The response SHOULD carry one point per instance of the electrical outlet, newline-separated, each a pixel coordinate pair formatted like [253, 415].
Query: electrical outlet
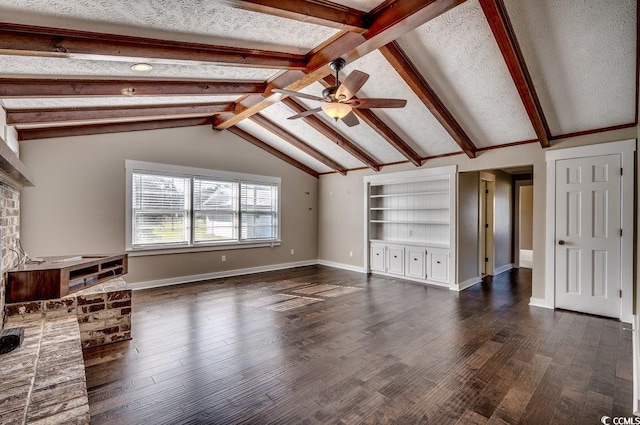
[293, 251]
[350, 253]
[224, 258]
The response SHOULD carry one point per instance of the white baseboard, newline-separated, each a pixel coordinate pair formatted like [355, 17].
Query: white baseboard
[342, 266]
[217, 275]
[539, 302]
[467, 283]
[503, 269]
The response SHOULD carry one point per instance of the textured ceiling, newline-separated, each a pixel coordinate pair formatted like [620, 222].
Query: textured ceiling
[30, 66]
[414, 122]
[458, 56]
[185, 20]
[581, 57]
[283, 146]
[278, 113]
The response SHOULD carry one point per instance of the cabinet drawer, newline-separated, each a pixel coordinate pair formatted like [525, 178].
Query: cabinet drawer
[415, 262]
[395, 260]
[438, 267]
[377, 257]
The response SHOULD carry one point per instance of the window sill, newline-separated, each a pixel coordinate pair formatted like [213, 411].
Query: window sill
[144, 252]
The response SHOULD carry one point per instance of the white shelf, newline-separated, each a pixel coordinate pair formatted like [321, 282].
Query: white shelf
[409, 222]
[410, 215]
[408, 209]
[391, 195]
[412, 243]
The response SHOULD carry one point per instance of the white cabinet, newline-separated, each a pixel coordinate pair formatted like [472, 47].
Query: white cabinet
[415, 262]
[395, 259]
[438, 265]
[410, 224]
[377, 257]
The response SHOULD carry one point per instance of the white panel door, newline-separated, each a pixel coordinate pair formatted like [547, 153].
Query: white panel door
[588, 222]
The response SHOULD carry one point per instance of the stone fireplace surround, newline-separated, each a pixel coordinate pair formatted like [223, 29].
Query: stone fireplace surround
[43, 380]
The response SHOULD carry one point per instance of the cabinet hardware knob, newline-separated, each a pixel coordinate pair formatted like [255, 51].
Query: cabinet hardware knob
[395, 256]
[561, 242]
[438, 262]
[415, 259]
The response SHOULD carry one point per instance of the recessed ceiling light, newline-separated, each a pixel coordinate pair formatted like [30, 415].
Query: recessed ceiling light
[141, 67]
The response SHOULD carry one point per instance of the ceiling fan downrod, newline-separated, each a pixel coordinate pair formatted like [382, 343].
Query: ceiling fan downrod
[336, 65]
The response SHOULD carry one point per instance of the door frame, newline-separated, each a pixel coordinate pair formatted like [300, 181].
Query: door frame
[487, 182]
[626, 149]
[518, 184]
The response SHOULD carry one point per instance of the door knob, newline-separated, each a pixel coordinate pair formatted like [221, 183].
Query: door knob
[561, 242]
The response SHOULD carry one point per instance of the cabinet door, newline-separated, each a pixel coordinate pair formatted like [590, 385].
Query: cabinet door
[395, 259]
[415, 262]
[377, 257]
[439, 266]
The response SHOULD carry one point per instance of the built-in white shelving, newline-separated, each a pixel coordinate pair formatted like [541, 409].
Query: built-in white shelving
[410, 224]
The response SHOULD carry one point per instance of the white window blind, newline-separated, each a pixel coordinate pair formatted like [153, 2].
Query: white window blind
[215, 210]
[175, 207]
[259, 211]
[160, 209]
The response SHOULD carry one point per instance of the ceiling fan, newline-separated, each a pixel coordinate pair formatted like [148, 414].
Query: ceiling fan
[339, 101]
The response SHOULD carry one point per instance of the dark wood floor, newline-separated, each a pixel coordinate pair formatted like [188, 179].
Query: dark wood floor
[384, 351]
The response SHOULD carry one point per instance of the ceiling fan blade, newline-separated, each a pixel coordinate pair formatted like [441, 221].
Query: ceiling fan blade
[378, 103]
[296, 94]
[351, 85]
[350, 119]
[305, 113]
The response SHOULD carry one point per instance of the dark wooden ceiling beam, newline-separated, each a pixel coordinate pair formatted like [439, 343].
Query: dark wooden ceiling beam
[387, 24]
[407, 70]
[104, 128]
[28, 40]
[496, 14]
[320, 12]
[332, 133]
[298, 143]
[31, 87]
[381, 128]
[273, 151]
[42, 115]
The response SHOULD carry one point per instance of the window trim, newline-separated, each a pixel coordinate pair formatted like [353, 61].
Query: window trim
[132, 166]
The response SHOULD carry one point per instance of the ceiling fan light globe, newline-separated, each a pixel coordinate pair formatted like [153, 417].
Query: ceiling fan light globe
[336, 110]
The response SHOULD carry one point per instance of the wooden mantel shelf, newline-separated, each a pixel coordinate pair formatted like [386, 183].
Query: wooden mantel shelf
[11, 165]
[60, 276]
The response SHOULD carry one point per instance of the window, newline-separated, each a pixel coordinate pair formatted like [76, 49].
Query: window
[182, 207]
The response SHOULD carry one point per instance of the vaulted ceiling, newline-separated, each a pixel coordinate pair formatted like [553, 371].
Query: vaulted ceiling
[476, 74]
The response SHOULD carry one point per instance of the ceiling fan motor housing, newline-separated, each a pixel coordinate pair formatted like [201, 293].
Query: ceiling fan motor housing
[329, 93]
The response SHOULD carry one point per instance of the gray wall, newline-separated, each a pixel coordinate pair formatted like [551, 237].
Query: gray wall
[346, 229]
[78, 203]
[526, 217]
[468, 225]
